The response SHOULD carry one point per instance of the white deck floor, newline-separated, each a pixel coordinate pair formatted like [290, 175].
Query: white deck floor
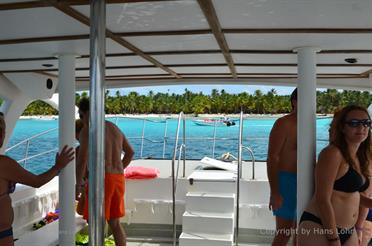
[169, 244]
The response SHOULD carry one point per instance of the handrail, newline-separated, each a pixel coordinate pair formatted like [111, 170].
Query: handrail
[143, 135]
[174, 181]
[180, 149]
[250, 151]
[240, 149]
[214, 138]
[139, 118]
[30, 138]
[40, 154]
[165, 137]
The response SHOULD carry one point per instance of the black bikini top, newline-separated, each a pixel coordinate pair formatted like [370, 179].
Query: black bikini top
[11, 189]
[352, 181]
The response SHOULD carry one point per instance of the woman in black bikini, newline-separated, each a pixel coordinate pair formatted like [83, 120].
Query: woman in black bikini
[11, 173]
[341, 174]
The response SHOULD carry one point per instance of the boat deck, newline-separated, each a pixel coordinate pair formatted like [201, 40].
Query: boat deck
[169, 244]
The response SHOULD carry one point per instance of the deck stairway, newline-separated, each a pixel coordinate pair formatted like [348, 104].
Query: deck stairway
[209, 216]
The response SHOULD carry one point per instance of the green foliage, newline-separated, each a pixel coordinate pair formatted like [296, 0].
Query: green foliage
[39, 108]
[218, 102]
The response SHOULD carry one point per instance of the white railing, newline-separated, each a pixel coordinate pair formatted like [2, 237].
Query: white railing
[27, 141]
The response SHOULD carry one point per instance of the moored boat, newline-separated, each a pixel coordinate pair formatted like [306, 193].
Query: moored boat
[215, 122]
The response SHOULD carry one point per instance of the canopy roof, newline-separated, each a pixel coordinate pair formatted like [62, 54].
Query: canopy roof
[194, 41]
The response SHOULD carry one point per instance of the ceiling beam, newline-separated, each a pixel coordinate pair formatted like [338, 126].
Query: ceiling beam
[366, 73]
[193, 52]
[54, 69]
[43, 39]
[240, 74]
[85, 20]
[211, 16]
[190, 32]
[297, 30]
[47, 3]
[185, 76]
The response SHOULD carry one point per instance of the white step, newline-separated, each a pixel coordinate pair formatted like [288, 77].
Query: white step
[204, 239]
[229, 166]
[199, 222]
[213, 187]
[212, 181]
[212, 175]
[210, 202]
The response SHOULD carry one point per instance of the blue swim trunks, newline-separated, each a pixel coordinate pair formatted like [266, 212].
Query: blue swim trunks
[288, 191]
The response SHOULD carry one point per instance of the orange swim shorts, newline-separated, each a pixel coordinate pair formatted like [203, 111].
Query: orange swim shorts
[114, 197]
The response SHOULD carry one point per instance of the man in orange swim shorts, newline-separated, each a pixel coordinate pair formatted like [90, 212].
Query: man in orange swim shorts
[115, 143]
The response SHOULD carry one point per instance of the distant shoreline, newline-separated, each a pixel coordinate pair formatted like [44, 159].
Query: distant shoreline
[175, 116]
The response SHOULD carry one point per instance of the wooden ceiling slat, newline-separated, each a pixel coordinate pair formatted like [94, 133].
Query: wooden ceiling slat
[164, 33]
[366, 73]
[211, 16]
[47, 3]
[203, 65]
[184, 32]
[85, 20]
[24, 5]
[195, 52]
[43, 39]
[227, 77]
[197, 65]
[297, 30]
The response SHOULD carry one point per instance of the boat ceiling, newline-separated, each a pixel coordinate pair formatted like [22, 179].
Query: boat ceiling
[193, 41]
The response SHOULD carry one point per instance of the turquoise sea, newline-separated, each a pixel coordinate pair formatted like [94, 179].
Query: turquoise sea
[199, 141]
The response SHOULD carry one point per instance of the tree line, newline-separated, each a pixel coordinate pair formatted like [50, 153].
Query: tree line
[217, 102]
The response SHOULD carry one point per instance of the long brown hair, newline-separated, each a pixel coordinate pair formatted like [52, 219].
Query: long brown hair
[337, 138]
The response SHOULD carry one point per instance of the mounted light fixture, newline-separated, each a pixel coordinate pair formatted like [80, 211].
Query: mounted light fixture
[47, 65]
[351, 60]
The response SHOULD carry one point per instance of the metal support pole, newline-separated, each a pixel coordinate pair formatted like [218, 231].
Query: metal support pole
[66, 88]
[306, 124]
[97, 122]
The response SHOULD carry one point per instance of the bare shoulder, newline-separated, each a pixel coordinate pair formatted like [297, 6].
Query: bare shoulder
[8, 166]
[331, 154]
[113, 128]
[6, 160]
[283, 122]
[111, 125]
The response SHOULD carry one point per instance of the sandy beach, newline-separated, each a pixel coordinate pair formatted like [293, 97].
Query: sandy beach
[174, 116]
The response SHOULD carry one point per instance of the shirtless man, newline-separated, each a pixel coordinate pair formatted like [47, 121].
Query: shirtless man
[281, 171]
[115, 143]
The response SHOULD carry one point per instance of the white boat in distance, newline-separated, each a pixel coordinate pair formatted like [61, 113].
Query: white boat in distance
[215, 122]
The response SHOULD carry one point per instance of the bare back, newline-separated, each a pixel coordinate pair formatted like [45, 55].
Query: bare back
[283, 143]
[288, 154]
[113, 148]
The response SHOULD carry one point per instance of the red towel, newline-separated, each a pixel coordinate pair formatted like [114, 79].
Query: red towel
[136, 172]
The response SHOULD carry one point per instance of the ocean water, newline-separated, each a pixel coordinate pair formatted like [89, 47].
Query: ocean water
[199, 139]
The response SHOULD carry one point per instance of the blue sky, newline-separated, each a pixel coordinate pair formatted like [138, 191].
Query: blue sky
[205, 89]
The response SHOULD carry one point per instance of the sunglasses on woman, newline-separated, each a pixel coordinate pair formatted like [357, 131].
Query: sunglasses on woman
[356, 123]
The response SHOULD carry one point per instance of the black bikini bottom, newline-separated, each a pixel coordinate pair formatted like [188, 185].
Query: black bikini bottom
[343, 233]
[6, 233]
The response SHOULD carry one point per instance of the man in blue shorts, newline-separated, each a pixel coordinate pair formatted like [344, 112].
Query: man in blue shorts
[282, 174]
